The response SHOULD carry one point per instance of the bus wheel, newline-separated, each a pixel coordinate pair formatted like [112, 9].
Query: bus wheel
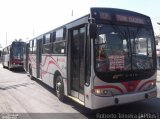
[30, 72]
[4, 66]
[9, 67]
[60, 88]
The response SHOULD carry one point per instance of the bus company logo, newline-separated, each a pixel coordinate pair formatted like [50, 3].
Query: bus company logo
[117, 76]
[131, 75]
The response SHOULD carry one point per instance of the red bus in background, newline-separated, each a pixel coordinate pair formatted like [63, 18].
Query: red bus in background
[12, 55]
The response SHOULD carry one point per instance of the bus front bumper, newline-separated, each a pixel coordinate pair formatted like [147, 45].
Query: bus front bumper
[17, 66]
[100, 102]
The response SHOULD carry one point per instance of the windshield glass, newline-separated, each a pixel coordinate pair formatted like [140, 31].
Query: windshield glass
[17, 51]
[122, 48]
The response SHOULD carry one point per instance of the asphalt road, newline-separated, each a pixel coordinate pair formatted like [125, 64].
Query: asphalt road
[24, 98]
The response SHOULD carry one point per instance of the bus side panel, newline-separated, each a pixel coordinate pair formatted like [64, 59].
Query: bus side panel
[51, 64]
[6, 56]
[32, 64]
[6, 60]
[26, 55]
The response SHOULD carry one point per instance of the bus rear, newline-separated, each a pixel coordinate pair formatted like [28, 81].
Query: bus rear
[124, 57]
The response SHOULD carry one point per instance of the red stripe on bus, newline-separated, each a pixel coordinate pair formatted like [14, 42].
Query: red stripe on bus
[49, 61]
[146, 83]
[32, 61]
[109, 86]
[131, 85]
[53, 61]
[44, 72]
[56, 63]
[31, 56]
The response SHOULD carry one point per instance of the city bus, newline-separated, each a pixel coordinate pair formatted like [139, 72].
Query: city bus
[105, 58]
[12, 55]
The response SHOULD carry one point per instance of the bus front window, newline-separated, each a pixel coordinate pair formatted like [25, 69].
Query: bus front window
[17, 51]
[121, 48]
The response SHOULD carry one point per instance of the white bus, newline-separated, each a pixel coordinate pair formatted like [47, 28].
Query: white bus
[105, 58]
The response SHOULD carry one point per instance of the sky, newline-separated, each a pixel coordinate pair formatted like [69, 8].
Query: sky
[24, 19]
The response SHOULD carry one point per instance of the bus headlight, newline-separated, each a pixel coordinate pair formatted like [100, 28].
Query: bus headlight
[150, 86]
[102, 92]
[153, 85]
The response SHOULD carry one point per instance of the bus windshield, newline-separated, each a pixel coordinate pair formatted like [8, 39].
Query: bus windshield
[123, 48]
[17, 51]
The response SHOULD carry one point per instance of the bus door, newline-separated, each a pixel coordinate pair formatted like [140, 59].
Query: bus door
[77, 65]
[39, 55]
[26, 56]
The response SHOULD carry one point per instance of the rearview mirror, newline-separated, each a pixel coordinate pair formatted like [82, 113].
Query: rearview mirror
[93, 30]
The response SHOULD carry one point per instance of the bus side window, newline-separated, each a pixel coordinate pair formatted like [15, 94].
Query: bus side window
[59, 35]
[30, 46]
[47, 38]
[34, 46]
[53, 37]
[59, 46]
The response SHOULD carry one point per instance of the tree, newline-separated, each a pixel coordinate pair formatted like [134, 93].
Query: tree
[18, 40]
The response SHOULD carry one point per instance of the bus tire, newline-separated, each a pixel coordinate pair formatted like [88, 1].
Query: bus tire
[60, 88]
[4, 66]
[9, 66]
[30, 72]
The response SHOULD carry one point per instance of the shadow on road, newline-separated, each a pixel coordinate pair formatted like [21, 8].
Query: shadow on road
[19, 70]
[15, 86]
[16, 70]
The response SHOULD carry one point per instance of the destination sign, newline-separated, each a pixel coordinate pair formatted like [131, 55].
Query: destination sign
[105, 16]
[117, 15]
[131, 19]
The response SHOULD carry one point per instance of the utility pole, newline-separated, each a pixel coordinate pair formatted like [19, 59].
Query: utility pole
[33, 31]
[72, 13]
